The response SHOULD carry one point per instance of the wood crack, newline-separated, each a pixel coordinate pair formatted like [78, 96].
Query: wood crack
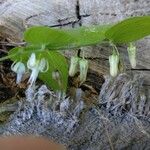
[64, 24]
[96, 58]
[78, 13]
[140, 69]
[61, 22]
[79, 19]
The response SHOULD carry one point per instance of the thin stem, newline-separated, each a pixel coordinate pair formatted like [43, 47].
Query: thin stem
[7, 57]
[115, 49]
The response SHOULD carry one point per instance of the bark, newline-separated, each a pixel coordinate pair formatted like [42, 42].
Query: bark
[17, 15]
[119, 119]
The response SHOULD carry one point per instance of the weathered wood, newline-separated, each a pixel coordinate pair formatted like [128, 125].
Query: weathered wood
[119, 120]
[15, 15]
[106, 11]
[75, 124]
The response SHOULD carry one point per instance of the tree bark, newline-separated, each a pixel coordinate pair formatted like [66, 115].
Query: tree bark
[17, 15]
[118, 120]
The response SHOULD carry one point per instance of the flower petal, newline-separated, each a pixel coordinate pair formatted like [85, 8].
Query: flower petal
[132, 55]
[33, 76]
[19, 78]
[114, 62]
[20, 69]
[43, 65]
[83, 69]
[31, 61]
[73, 66]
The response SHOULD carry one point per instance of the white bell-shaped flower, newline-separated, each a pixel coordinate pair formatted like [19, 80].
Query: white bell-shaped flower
[132, 55]
[36, 66]
[20, 69]
[33, 76]
[32, 61]
[114, 62]
[43, 65]
[83, 69]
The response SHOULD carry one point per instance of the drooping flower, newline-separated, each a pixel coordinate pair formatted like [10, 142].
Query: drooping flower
[83, 69]
[36, 65]
[114, 62]
[31, 61]
[20, 69]
[132, 55]
[73, 66]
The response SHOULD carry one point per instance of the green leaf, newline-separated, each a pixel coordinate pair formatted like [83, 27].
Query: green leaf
[17, 53]
[85, 36]
[7, 57]
[22, 53]
[65, 39]
[57, 62]
[41, 35]
[129, 30]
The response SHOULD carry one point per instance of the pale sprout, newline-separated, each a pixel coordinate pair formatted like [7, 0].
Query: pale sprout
[114, 62]
[18, 68]
[132, 55]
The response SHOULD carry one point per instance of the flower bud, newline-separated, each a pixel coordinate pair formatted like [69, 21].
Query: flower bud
[73, 66]
[132, 55]
[43, 65]
[56, 75]
[83, 69]
[114, 62]
[31, 61]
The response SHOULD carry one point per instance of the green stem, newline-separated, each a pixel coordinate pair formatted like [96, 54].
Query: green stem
[7, 57]
[115, 49]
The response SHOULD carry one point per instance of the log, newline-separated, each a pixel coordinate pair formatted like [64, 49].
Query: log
[116, 121]
[119, 119]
